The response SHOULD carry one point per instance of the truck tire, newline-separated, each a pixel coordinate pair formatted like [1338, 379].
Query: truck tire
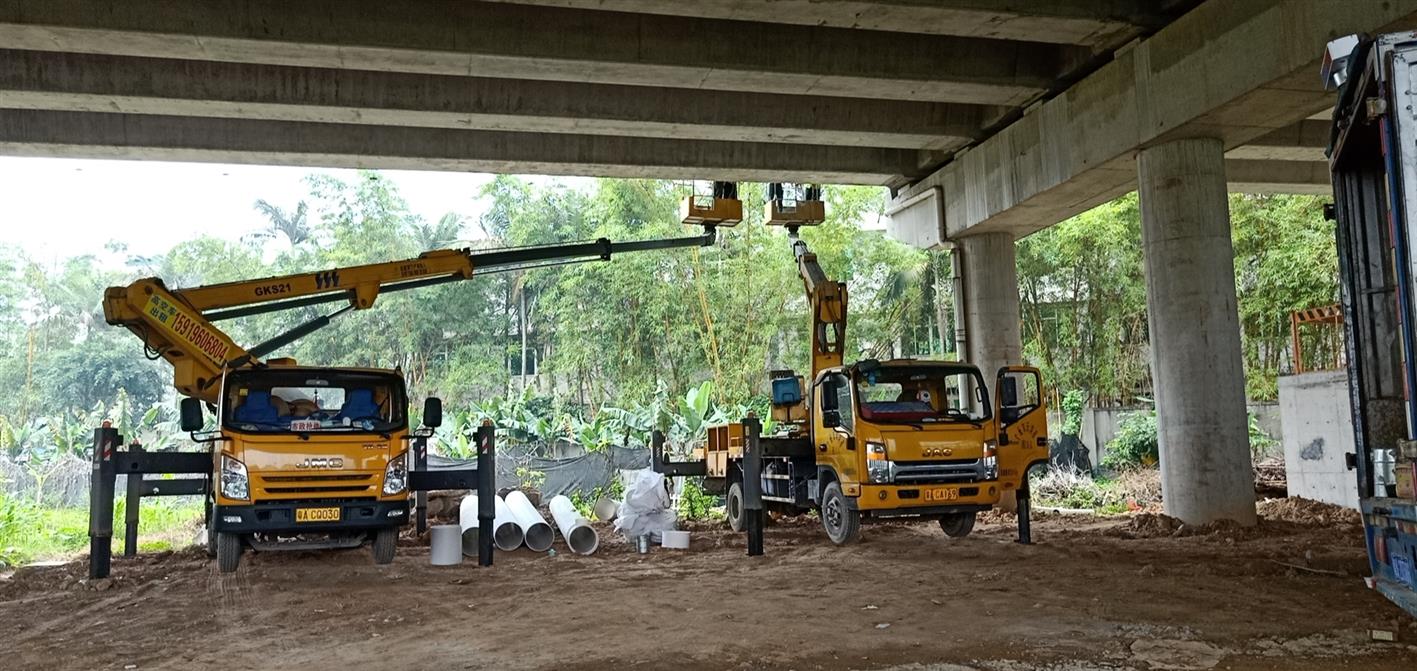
[228, 552]
[958, 525]
[733, 506]
[385, 542]
[841, 522]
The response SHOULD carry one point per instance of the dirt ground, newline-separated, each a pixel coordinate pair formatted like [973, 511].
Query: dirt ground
[1138, 592]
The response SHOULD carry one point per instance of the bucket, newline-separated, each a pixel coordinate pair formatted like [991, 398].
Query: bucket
[446, 545]
[674, 540]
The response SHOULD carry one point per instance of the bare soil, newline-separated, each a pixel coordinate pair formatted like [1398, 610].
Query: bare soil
[1137, 592]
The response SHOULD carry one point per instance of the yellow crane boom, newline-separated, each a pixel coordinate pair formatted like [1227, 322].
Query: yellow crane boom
[793, 206]
[827, 300]
[179, 324]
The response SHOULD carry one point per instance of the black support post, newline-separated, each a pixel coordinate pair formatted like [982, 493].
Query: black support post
[486, 490]
[132, 503]
[753, 516]
[420, 463]
[101, 482]
[1025, 506]
[656, 450]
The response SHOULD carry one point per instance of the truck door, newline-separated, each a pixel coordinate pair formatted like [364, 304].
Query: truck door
[1023, 423]
[832, 427]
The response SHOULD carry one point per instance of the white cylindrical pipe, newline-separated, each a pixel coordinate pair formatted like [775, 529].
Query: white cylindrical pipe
[507, 535]
[505, 532]
[579, 534]
[445, 545]
[536, 533]
[606, 509]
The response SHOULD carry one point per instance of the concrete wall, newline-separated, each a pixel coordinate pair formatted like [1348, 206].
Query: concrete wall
[1099, 425]
[1318, 432]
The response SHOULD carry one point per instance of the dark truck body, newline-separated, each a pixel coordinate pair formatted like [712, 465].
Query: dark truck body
[1373, 159]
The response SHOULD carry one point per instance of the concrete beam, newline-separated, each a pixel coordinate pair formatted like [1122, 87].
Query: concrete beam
[1304, 141]
[489, 39]
[1090, 22]
[97, 83]
[1274, 177]
[1230, 70]
[134, 136]
[920, 222]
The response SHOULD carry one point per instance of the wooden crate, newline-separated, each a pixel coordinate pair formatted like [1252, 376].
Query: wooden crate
[725, 444]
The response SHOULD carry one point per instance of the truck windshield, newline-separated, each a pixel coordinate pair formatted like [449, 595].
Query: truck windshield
[306, 401]
[920, 394]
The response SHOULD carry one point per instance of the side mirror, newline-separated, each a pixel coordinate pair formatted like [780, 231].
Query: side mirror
[433, 412]
[831, 418]
[191, 414]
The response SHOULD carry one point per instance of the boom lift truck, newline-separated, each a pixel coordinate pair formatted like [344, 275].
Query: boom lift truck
[302, 456]
[872, 439]
[1373, 159]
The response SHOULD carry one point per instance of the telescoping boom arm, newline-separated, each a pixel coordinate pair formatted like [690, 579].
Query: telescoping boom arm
[827, 299]
[179, 324]
[793, 206]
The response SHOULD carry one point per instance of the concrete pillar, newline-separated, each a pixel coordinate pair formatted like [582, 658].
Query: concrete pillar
[991, 311]
[1196, 366]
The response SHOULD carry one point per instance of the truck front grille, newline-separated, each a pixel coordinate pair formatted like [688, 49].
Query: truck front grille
[335, 484]
[930, 472]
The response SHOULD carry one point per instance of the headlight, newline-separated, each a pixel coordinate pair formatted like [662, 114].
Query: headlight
[396, 475]
[235, 484]
[990, 462]
[878, 467]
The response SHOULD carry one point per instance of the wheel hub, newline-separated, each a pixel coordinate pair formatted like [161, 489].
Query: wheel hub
[833, 515]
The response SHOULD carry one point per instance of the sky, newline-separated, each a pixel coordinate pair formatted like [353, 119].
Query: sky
[58, 208]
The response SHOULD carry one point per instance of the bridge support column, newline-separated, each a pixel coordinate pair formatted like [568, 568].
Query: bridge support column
[991, 311]
[1196, 365]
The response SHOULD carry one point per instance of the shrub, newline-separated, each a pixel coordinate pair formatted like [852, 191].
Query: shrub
[1135, 442]
[695, 504]
[1261, 444]
[1073, 402]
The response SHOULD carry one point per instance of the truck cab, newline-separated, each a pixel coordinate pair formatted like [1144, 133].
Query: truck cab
[905, 438]
[307, 457]
[913, 438]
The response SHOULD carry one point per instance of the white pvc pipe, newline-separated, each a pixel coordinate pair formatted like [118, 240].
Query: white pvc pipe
[443, 545]
[536, 533]
[579, 534]
[505, 532]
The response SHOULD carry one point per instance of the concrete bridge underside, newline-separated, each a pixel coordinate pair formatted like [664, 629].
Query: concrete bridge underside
[989, 120]
[842, 91]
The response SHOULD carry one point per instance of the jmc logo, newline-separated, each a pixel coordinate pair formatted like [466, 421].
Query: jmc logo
[321, 462]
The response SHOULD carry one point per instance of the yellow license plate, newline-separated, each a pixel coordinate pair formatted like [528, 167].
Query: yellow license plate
[942, 494]
[317, 514]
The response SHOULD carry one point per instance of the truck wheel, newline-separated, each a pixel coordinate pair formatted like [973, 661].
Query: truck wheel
[958, 525]
[384, 544]
[228, 552]
[843, 525]
[733, 506]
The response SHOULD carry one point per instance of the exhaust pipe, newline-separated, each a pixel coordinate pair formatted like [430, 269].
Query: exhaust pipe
[505, 532]
[535, 531]
[579, 535]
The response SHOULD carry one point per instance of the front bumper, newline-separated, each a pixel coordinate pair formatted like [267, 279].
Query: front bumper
[926, 499]
[279, 516]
